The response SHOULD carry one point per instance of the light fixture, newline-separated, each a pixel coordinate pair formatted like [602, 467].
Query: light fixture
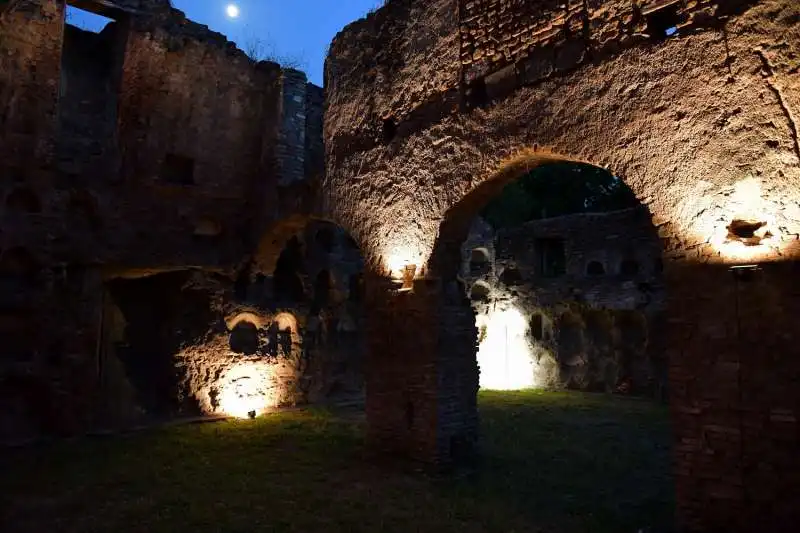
[744, 272]
[409, 271]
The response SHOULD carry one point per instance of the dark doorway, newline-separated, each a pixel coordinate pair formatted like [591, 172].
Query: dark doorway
[159, 317]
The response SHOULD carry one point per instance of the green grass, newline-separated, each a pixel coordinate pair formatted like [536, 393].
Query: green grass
[551, 462]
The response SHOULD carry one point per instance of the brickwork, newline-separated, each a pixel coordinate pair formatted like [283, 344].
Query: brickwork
[152, 147]
[680, 116]
[601, 318]
[423, 387]
[534, 40]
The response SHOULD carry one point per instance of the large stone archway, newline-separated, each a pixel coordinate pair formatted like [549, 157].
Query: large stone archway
[699, 122]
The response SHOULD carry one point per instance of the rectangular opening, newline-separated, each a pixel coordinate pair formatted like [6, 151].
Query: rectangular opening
[662, 20]
[552, 257]
[86, 20]
[93, 52]
[177, 169]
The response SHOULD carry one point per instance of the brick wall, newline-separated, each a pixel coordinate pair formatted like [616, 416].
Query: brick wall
[161, 155]
[678, 117]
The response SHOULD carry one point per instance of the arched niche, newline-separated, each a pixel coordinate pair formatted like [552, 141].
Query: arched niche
[480, 291]
[244, 338]
[479, 261]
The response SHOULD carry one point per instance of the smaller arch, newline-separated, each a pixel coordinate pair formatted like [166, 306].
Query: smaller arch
[23, 200]
[244, 338]
[283, 333]
[232, 322]
[286, 321]
[479, 261]
[628, 268]
[595, 268]
[511, 276]
[480, 291]
[479, 255]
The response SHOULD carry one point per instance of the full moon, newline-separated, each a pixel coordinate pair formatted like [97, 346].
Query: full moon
[232, 11]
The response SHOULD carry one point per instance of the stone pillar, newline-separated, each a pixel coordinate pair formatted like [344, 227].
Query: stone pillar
[734, 369]
[422, 377]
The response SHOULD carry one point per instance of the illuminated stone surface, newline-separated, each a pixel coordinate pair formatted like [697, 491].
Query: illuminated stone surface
[480, 91]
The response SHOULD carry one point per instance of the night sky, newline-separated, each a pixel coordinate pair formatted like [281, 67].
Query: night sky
[297, 32]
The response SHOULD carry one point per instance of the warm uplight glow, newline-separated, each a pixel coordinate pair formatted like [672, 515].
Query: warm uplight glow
[745, 205]
[232, 10]
[400, 260]
[246, 388]
[505, 355]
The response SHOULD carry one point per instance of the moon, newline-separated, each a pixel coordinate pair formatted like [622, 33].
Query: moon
[232, 10]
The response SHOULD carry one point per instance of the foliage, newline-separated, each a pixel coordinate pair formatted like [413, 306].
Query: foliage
[556, 462]
[259, 49]
[557, 189]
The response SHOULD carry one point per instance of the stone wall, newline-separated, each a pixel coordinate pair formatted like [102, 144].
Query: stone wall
[594, 315]
[158, 151]
[699, 123]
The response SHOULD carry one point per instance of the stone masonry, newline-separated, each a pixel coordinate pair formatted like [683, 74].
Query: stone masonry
[145, 170]
[433, 106]
[595, 311]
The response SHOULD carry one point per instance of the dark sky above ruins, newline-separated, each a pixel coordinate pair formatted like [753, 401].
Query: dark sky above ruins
[294, 32]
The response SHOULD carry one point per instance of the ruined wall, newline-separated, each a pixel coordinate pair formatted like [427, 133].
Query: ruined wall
[700, 123]
[155, 152]
[588, 329]
[31, 52]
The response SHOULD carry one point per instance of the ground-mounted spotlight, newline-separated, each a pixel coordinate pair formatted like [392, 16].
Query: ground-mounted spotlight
[409, 271]
[744, 273]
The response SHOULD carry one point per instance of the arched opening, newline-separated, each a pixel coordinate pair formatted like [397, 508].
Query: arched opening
[244, 338]
[317, 275]
[511, 276]
[546, 216]
[595, 268]
[480, 291]
[287, 281]
[23, 200]
[479, 261]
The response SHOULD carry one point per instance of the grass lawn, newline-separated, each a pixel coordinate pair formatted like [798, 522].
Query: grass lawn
[551, 462]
